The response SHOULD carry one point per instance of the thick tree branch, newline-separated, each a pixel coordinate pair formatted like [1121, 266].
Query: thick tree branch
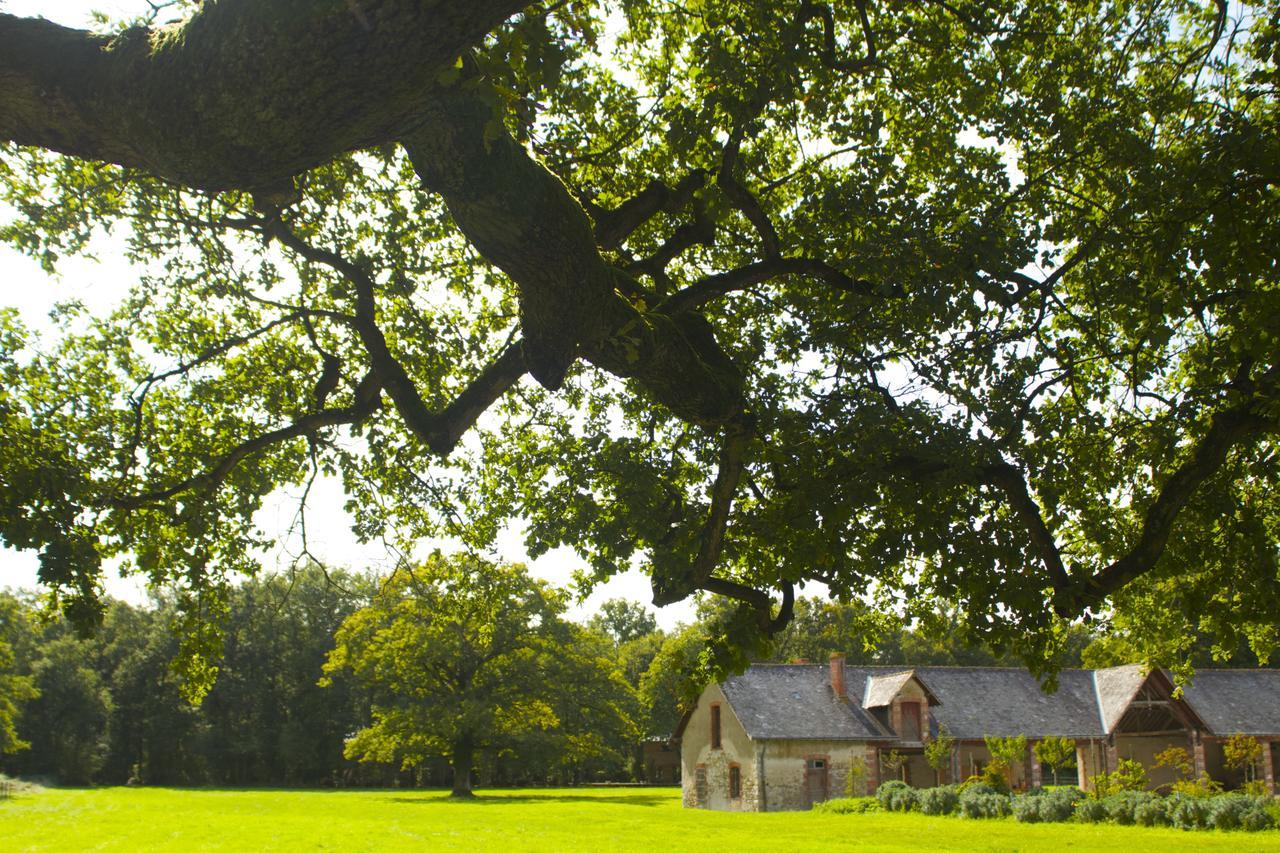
[441, 431]
[743, 200]
[364, 406]
[809, 11]
[615, 225]
[759, 601]
[715, 286]
[1229, 429]
[244, 94]
[524, 220]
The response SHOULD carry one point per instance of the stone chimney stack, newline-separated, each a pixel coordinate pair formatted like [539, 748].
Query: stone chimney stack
[837, 674]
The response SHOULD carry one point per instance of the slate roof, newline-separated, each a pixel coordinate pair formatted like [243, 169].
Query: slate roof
[795, 701]
[1232, 701]
[979, 701]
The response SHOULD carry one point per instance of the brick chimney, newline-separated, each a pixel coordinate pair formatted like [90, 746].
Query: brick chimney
[837, 674]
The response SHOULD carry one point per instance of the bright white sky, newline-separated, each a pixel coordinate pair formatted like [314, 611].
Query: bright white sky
[99, 283]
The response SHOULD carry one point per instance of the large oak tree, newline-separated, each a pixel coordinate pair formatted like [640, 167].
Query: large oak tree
[948, 301]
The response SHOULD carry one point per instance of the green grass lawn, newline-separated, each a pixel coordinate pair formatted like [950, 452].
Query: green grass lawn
[577, 819]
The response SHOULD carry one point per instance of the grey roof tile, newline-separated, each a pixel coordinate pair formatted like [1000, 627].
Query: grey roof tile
[1232, 701]
[795, 701]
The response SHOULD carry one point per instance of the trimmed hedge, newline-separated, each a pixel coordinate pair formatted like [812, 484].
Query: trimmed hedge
[1041, 806]
[976, 802]
[849, 805]
[939, 801]
[896, 796]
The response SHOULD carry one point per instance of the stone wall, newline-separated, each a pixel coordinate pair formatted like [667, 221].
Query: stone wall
[698, 756]
[785, 766]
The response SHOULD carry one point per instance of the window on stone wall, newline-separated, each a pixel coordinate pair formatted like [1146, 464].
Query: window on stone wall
[715, 726]
[700, 786]
[735, 782]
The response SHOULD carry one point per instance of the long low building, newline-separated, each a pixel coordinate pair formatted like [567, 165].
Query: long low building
[784, 736]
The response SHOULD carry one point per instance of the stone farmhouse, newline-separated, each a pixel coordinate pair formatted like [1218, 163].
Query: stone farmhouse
[784, 736]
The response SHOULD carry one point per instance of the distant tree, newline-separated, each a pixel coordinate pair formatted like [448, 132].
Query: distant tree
[1055, 752]
[16, 686]
[67, 723]
[624, 620]
[462, 656]
[937, 751]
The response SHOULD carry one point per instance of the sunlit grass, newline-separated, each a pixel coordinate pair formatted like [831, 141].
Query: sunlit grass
[575, 819]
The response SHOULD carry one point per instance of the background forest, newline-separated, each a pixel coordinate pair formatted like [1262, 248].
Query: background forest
[110, 709]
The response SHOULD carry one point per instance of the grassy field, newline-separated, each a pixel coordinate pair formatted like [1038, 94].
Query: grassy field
[584, 819]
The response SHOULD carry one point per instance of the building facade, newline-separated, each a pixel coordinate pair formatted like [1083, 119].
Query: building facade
[785, 736]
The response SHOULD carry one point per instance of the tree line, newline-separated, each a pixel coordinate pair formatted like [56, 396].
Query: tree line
[453, 672]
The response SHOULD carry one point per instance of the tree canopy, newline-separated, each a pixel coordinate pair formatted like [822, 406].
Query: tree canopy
[463, 656]
[966, 305]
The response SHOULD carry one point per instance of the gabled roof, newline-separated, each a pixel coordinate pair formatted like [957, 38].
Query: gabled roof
[796, 701]
[882, 689]
[1116, 688]
[1001, 702]
[1236, 701]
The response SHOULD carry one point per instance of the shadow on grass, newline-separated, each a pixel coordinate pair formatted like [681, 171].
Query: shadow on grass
[501, 799]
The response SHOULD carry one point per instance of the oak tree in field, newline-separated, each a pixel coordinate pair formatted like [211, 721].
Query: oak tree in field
[966, 305]
[463, 656]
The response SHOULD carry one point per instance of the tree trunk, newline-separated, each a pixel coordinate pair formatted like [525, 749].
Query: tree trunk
[463, 758]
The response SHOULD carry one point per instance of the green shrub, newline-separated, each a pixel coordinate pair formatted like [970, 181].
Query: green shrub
[849, 805]
[1202, 787]
[1154, 812]
[1227, 811]
[975, 784]
[896, 796]
[1027, 808]
[976, 803]
[1121, 806]
[1091, 811]
[1187, 812]
[1257, 818]
[944, 799]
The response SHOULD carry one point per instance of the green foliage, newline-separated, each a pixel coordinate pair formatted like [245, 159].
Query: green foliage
[1204, 786]
[979, 802]
[998, 299]
[937, 751]
[16, 687]
[1242, 752]
[855, 779]
[1091, 810]
[940, 800]
[1056, 753]
[848, 805]
[624, 621]
[463, 655]
[1041, 806]
[896, 796]
[1188, 812]
[1006, 754]
[1227, 811]
[1177, 759]
[1129, 775]
[1122, 806]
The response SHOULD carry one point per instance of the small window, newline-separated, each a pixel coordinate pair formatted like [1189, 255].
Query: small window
[735, 782]
[715, 726]
[818, 764]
